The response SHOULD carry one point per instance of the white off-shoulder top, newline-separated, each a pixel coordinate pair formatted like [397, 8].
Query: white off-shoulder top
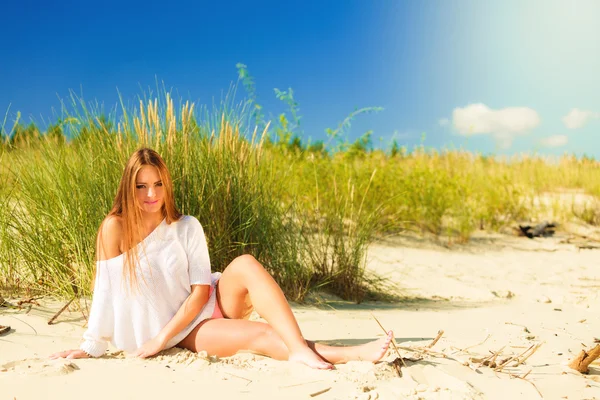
[171, 259]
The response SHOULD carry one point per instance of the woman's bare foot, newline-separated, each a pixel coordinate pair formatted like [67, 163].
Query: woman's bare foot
[307, 357]
[375, 350]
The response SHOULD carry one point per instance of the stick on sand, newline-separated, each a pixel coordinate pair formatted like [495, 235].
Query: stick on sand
[584, 359]
[60, 311]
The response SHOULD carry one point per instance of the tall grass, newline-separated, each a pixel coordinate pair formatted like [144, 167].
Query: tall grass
[58, 192]
[307, 212]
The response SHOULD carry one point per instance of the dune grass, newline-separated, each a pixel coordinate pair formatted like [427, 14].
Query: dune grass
[57, 192]
[308, 212]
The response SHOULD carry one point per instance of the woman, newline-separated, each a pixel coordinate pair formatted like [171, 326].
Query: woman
[154, 289]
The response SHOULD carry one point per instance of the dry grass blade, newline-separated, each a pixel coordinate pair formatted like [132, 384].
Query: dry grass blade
[525, 357]
[300, 384]
[523, 377]
[23, 322]
[240, 377]
[534, 386]
[525, 329]
[491, 359]
[423, 350]
[437, 338]
[465, 350]
[478, 344]
[528, 381]
[506, 362]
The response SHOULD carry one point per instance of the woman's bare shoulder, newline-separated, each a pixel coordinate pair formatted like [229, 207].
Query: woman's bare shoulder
[110, 237]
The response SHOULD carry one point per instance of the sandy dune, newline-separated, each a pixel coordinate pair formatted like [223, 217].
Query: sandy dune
[496, 292]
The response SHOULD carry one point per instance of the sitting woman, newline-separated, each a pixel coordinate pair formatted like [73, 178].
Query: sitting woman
[154, 289]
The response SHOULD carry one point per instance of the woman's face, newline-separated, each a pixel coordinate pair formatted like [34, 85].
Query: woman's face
[149, 189]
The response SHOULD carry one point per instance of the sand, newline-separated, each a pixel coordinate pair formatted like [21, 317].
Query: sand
[498, 291]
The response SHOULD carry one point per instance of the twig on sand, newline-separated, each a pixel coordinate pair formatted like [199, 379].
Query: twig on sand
[527, 380]
[491, 359]
[31, 300]
[584, 359]
[299, 384]
[523, 377]
[532, 348]
[425, 350]
[12, 316]
[60, 311]
[525, 357]
[393, 343]
[437, 338]
[478, 344]
[459, 350]
[522, 326]
[240, 377]
[533, 384]
[315, 394]
[491, 362]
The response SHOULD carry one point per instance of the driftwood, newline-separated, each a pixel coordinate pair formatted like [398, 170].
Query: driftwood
[543, 229]
[584, 359]
[492, 360]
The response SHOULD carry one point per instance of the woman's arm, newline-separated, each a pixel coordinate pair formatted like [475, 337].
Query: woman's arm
[194, 241]
[190, 308]
[101, 318]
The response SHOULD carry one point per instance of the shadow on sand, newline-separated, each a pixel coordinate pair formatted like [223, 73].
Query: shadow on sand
[327, 302]
[359, 341]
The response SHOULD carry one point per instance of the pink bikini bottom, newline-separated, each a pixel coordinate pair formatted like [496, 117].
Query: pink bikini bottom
[217, 313]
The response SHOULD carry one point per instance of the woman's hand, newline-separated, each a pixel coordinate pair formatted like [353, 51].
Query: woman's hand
[77, 353]
[151, 347]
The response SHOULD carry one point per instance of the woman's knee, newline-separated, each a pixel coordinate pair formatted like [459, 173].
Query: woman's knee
[243, 264]
[245, 259]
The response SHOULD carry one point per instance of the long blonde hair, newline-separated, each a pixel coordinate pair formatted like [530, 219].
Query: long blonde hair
[126, 207]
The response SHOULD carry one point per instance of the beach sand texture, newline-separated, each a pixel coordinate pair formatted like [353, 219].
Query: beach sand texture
[497, 292]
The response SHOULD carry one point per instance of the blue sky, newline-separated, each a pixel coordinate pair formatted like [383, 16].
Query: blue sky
[493, 77]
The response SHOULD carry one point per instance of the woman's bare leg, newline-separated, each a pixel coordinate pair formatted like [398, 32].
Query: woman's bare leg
[245, 277]
[226, 337]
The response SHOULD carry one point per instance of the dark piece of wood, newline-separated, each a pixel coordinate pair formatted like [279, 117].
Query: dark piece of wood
[320, 392]
[542, 229]
[525, 231]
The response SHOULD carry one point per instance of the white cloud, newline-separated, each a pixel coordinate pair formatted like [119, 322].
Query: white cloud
[444, 122]
[555, 141]
[577, 118]
[503, 124]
